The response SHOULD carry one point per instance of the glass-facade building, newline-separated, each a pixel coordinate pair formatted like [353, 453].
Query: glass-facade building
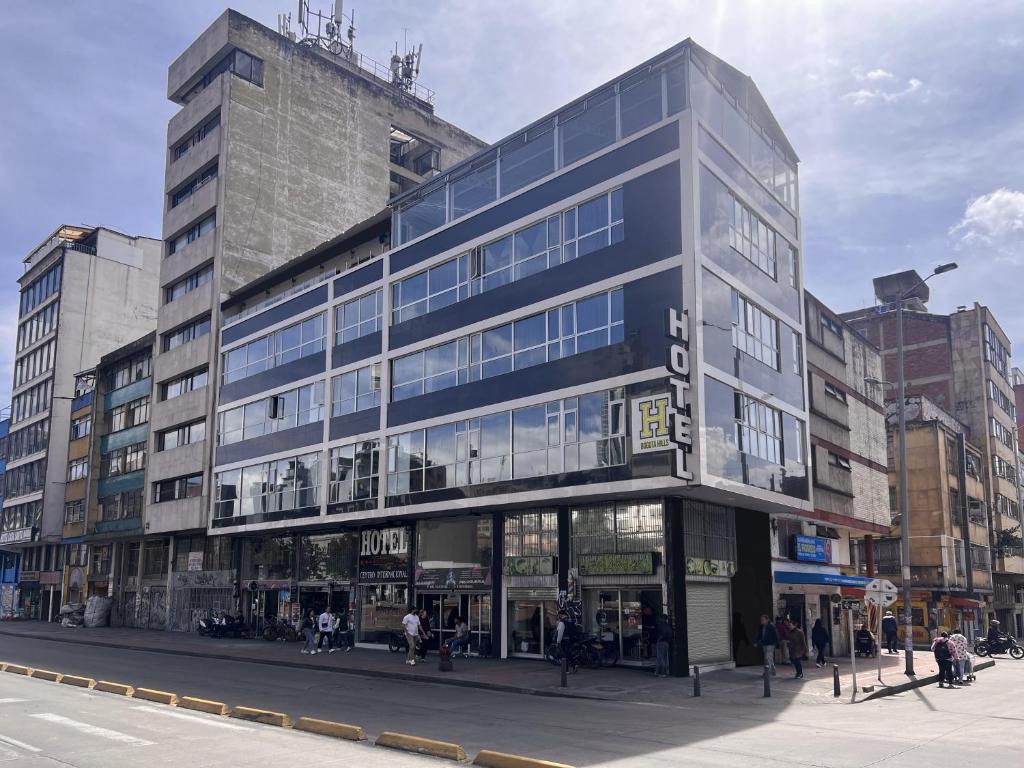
[573, 379]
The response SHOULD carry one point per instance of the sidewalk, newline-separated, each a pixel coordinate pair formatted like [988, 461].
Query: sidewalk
[744, 684]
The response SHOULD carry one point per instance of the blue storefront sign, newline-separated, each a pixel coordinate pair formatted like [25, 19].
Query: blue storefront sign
[812, 549]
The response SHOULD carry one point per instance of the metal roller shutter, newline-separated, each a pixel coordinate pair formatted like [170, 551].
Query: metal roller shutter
[708, 621]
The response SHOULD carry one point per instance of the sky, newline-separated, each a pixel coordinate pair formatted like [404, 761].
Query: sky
[907, 116]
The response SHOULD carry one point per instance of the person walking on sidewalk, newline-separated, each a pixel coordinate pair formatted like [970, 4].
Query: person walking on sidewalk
[961, 650]
[797, 647]
[309, 632]
[819, 639]
[890, 628]
[326, 630]
[767, 638]
[945, 655]
[411, 627]
[662, 644]
[783, 644]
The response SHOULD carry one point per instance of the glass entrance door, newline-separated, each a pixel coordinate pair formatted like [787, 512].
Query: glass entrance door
[443, 609]
[530, 623]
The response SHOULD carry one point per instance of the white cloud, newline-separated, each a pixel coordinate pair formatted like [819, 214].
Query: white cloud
[879, 74]
[865, 96]
[994, 220]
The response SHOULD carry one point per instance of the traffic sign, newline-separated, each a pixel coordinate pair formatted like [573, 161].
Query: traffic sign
[851, 605]
[880, 592]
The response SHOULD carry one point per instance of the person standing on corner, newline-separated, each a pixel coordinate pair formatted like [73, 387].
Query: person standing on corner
[819, 639]
[768, 639]
[309, 632]
[411, 626]
[797, 647]
[945, 655]
[326, 622]
[662, 644]
[890, 628]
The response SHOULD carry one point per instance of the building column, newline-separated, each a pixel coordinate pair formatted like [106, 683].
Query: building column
[675, 578]
[497, 572]
[869, 555]
[170, 581]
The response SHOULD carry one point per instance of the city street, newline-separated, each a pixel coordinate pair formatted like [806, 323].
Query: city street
[923, 727]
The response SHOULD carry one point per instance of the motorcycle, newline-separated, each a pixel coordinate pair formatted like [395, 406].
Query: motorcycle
[1005, 644]
[397, 642]
[279, 629]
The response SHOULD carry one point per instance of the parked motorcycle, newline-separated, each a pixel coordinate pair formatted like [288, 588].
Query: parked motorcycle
[1005, 644]
[398, 642]
[222, 626]
[279, 629]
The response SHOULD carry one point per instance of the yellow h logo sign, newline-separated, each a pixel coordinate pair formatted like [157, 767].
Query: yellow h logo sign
[653, 418]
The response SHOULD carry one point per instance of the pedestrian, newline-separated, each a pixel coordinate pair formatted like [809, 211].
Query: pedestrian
[411, 627]
[945, 655]
[309, 632]
[326, 622]
[890, 628]
[820, 640]
[783, 646]
[768, 639]
[425, 633]
[662, 644]
[797, 647]
[563, 635]
[460, 641]
[961, 651]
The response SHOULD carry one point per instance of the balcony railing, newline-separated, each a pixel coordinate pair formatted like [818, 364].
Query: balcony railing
[266, 304]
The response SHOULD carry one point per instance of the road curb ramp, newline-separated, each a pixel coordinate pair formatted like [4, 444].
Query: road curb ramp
[81, 682]
[160, 697]
[119, 688]
[261, 716]
[203, 705]
[45, 674]
[17, 669]
[329, 728]
[490, 759]
[421, 746]
[919, 682]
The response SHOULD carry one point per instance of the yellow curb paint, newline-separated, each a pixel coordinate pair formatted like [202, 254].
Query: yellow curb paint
[421, 746]
[45, 674]
[119, 688]
[160, 697]
[261, 716]
[17, 669]
[81, 682]
[203, 705]
[489, 759]
[329, 728]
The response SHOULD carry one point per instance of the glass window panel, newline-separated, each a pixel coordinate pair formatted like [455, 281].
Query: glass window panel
[524, 162]
[475, 189]
[592, 313]
[589, 131]
[530, 332]
[424, 215]
[640, 106]
[407, 369]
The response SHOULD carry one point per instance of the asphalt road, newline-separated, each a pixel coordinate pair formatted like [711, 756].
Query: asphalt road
[44, 724]
[974, 726]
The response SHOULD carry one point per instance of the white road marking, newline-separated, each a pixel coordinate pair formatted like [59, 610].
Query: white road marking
[19, 744]
[192, 718]
[12, 701]
[93, 730]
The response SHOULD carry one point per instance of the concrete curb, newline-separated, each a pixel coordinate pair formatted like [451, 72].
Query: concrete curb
[419, 745]
[160, 697]
[203, 705]
[489, 759]
[81, 682]
[45, 674]
[918, 683]
[118, 688]
[261, 716]
[329, 728]
[18, 669]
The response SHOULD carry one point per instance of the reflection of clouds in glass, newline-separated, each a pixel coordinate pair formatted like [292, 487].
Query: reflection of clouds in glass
[723, 458]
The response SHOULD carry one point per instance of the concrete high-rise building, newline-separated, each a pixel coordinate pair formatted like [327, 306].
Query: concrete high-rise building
[961, 362]
[278, 146]
[85, 291]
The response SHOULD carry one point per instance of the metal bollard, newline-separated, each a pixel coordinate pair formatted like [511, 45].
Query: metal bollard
[767, 682]
[565, 672]
[835, 680]
[696, 680]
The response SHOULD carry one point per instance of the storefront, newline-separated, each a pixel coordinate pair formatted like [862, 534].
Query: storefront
[453, 577]
[805, 593]
[327, 572]
[530, 571]
[269, 590]
[384, 571]
[30, 596]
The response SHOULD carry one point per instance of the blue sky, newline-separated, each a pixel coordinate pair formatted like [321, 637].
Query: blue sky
[907, 116]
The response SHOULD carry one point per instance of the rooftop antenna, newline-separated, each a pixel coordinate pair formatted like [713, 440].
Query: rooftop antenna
[327, 31]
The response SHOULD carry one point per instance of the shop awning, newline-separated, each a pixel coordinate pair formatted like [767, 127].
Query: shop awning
[828, 579]
[965, 602]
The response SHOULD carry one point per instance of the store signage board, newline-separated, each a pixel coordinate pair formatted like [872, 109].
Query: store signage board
[384, 554]
[880, 592]
[452, 579]
[812, 549]
[650, 424]
[529, 566]
[29, 576]
[851, 605]
[702, 566]
[678, 329]
[16, 536]
[623, 564]
[195, 561]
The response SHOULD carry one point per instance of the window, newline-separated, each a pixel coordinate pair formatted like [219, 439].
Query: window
[126, 505]
[437, 287]
[129, 371]
[584, 128]
[121, 461]
[972, 464]
[183, 435]
[183, 384]
[758, 429]
[25, 515]
[355, 471]
[276, 486]
[995, 352]
[190, 486]
[834, 326]
[128, 415]
[186, 333]
[81, 427]
[74, 512]
[1007, 506]
[25, 479]
[284, 410]
[356, 390]
[1001, 433]
[531, 534]
[34, 364]
[192, 185]
[237, 62]
[41, 289]
[37, 326]
[834, 392]
[359, 317]
[839, 462]
[592, 225]
[527, 157]
[754, 331]
[1000, 398]
[195, 138]
[188, 284]
[78, 469]
[752, 238]
[154, 562]
[284, 346]
[1004, 469]
[33, 400]
[192, 234]
[28, 440]
[640, 102]
[474, 187]
[590, 323]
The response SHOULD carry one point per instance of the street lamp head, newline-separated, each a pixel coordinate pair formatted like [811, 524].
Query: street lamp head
[945, 268]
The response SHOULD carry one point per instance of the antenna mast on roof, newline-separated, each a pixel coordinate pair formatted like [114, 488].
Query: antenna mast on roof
[406, 68]
[333, 32]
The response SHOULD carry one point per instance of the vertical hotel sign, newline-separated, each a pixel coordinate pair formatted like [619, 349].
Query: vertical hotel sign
[662, 422]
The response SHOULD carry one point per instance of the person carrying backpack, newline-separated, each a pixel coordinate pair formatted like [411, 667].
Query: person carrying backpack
[945, 655]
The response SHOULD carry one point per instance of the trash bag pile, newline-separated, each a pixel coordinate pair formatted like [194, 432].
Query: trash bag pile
[72, 615]
[97, 611]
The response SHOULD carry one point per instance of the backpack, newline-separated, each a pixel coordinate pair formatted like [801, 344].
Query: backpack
[942, 651]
